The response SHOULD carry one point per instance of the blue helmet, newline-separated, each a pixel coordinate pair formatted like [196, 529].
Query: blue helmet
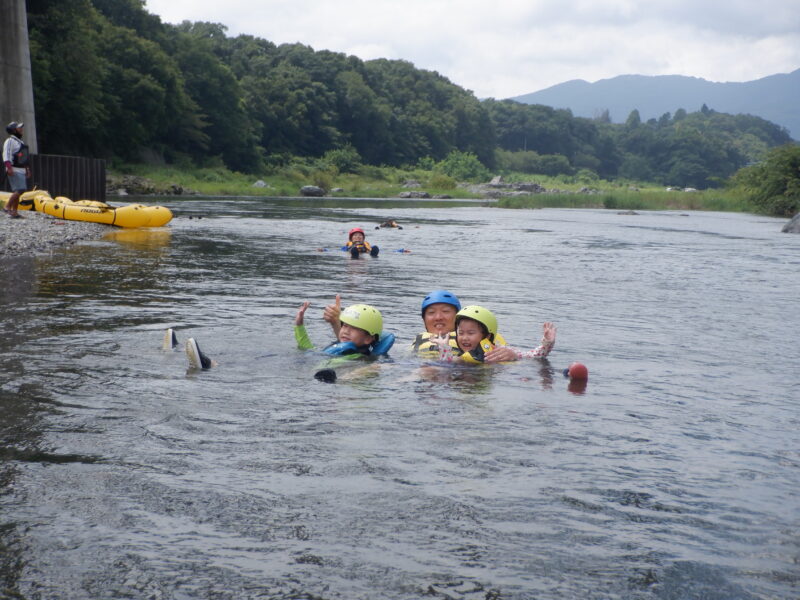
[440, 297]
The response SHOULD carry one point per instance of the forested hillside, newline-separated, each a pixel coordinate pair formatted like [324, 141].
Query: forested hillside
[113, 81]
[773, 97]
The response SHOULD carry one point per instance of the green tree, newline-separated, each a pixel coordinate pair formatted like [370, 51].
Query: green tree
[532, 162]
[463, 166]
[212, 86]
[774, 184]
[364, 118]
[68, 76]
[346, 159]
[148, 106]
[296, 114]
[634, 120]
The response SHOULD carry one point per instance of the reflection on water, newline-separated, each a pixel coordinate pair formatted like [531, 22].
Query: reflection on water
[671, 473]
[141, 239]
[19, 279]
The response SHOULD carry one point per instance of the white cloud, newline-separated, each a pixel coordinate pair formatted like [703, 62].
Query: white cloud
[511, 47]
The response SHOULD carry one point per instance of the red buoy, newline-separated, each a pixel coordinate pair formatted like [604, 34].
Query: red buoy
[578, 371]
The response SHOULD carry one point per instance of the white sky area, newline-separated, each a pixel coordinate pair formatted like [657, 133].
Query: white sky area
[506, 48]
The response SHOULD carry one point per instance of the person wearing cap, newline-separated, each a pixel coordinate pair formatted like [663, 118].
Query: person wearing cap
[358, 245]
[15, 159]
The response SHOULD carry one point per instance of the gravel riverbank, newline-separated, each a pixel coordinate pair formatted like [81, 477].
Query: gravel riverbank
[37, 233]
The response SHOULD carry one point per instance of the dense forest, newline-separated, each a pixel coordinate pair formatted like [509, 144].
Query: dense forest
[113, 81]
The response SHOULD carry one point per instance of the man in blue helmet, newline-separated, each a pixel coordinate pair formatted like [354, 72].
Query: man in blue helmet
[439, 309]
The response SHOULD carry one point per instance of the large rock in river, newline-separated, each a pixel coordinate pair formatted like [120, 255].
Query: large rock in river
[311, 190]
[792, 226]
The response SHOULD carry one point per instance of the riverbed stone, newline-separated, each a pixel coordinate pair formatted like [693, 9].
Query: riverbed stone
[792, 226]
[122, 185]
[312, 190]
[37, 233]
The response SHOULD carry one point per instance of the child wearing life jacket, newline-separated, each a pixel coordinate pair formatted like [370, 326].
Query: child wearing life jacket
[360, 332]
[358, 245]
[476, 333]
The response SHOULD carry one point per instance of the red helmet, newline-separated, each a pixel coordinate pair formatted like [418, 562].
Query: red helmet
[355, 230]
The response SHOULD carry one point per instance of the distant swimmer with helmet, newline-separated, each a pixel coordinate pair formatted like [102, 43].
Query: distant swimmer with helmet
[357, 244]
[359, 334]
[439, 310]
[476, 335]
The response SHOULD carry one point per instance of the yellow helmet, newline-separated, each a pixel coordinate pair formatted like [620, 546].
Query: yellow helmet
[482, 315]
[364, 317]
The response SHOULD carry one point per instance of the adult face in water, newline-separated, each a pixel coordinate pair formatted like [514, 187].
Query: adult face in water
[439, 318]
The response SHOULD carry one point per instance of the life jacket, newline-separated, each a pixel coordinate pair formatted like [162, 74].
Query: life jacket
[345, 349]
[362, 246]
[382, 346]
[427, 349]
[476, 354]
[20, 157]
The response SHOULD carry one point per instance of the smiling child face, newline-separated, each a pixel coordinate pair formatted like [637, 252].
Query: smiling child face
[357, 237]
[469, 333]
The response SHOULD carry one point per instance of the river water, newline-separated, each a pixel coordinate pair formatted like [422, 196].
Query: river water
[673, 474]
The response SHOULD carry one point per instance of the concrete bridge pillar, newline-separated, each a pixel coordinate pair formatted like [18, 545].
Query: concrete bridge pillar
[16, 82]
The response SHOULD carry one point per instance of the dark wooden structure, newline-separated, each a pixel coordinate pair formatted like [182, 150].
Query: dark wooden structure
[75, 177]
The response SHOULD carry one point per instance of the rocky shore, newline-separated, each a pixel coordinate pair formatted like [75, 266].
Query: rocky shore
[37, 233]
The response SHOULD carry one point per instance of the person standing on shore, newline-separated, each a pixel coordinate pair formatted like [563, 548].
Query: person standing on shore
[15, 159]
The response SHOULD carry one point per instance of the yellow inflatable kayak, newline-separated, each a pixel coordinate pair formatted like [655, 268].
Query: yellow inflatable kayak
[130, 215]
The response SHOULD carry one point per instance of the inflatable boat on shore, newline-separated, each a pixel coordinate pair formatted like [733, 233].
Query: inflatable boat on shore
[129, 215]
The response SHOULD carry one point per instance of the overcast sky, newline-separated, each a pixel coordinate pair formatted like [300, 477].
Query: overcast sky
[504, 48]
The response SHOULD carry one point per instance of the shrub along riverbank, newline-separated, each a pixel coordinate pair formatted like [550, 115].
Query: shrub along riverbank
[576, 191]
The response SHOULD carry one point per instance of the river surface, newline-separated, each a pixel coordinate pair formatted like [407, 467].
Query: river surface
[673, 474]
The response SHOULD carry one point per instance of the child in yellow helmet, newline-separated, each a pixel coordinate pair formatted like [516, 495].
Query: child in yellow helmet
[360, 332]
[476, 334]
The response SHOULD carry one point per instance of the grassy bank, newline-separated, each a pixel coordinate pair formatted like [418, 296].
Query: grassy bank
[368, 182]
[716, 200]
[388, 182]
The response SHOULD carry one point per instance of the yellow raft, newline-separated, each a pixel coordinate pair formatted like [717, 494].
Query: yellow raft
[130, 215]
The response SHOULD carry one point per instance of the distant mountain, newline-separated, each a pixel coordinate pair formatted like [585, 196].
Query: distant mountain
[775, 98]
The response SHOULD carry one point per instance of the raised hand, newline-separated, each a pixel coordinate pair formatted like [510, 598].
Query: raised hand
[549, 332]
[333, 313]
[298, 320]
[441, 340]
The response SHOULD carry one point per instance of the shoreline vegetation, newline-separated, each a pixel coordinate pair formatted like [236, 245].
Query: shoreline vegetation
[38, 233]
[509, 191]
